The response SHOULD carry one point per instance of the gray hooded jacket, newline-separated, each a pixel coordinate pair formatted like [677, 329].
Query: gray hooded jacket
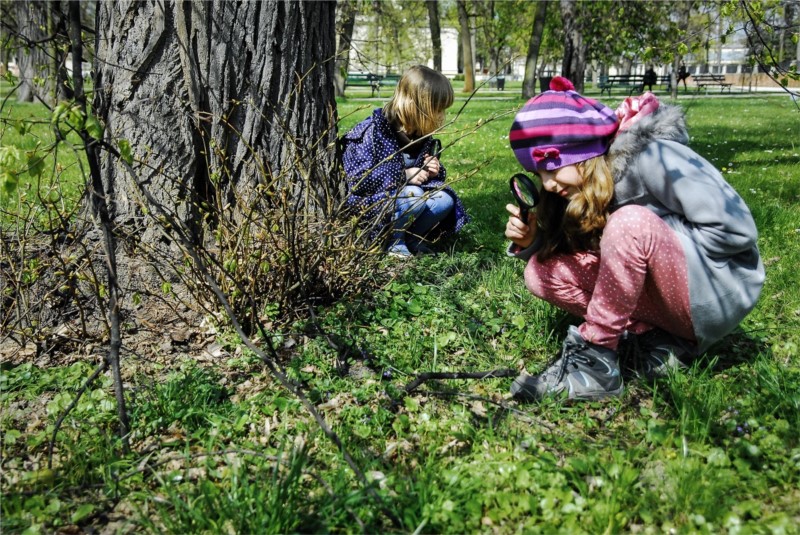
[653, 167]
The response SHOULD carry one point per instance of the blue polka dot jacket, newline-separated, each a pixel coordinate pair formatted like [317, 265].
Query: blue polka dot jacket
[375, 172]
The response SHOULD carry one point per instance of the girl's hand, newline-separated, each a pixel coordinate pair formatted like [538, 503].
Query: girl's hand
[519, 232]
[432, 165]
[416, 175]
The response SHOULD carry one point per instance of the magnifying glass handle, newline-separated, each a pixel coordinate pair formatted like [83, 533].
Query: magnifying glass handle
[436, 148]
[523, 214]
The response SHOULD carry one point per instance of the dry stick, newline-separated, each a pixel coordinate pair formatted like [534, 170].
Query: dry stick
[427, 376]
[100, 207]
[270, 363]
[101, 210]
[501, 404]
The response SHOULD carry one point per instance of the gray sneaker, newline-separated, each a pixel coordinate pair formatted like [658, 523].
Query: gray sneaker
[659, 353]
[584, 371]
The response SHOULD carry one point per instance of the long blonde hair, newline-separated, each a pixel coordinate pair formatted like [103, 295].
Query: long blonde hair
[574, 225]
[418, 104]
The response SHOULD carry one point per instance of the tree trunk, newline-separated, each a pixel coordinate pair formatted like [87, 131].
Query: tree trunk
[529, 83]
[436, 33]
[38, 59]
[219, 102]
[683, 15]
[574, 63]
[344, 32]
[466, 46]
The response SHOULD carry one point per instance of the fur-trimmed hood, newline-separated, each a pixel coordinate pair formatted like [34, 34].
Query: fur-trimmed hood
[667, 123]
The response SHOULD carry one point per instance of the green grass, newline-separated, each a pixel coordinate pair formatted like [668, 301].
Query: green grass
[221, 448]
[40, 180]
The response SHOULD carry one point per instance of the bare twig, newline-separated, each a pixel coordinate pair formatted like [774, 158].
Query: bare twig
[427, 376]
[100, 369]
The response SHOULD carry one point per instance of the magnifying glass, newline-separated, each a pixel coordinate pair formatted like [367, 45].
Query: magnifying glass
[525, 192]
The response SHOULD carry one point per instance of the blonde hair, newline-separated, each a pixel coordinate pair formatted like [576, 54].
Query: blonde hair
[577, 224]
[419, 102]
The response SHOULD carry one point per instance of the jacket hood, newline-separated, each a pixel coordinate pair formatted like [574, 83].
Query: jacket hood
[667, 123]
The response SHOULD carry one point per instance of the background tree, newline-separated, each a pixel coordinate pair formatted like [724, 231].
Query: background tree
[345, 22]
[497, 30]
[465, 37]
[396, 35]
[529, 82]
[574, 62]
[436, 33]
[631, 32]
[38, 27]
[766, 24]
[221, 111]
[681, 44]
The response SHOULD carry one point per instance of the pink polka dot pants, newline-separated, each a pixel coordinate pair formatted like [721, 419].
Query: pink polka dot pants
[637, 282]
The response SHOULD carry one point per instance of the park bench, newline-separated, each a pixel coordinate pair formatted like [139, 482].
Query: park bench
[374, 81]
[631, 82]
[388, 80]
[706, 80]
[366, 79]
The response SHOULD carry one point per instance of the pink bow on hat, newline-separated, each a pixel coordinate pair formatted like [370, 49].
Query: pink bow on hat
[543, 154]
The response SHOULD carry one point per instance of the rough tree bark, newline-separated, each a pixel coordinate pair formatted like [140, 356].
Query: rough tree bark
[529, 83]
[436, 33]
[213, 99]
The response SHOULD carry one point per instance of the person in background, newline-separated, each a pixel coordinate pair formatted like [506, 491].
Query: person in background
[635, 233]
[650, 78]
[394, 177]
[682, 76]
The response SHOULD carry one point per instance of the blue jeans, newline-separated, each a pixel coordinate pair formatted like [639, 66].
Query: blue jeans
[418, 211]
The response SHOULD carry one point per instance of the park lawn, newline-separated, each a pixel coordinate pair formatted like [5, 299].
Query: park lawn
[220, 447]
[39, 179]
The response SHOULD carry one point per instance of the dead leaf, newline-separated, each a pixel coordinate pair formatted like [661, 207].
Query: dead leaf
[478, 409]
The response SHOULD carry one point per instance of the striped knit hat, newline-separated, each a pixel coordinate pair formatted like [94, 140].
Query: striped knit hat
[560, 127]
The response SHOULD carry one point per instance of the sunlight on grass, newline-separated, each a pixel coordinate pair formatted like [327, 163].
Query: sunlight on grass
[40, 180]
[219, 448]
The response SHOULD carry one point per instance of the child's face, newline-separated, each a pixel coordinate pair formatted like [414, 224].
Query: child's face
[564, 181]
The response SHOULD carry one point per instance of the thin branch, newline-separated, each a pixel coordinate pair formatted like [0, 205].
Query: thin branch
[100, 369]
[428, 376]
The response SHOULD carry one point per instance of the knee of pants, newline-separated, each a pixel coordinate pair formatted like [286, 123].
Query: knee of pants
[535, 281]
[632, 220]
[440, 202]
[410, 201]
[409, 192]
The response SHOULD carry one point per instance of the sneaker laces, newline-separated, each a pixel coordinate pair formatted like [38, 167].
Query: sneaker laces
[572, 354]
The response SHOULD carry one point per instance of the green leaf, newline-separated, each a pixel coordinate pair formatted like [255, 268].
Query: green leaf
[22, 127]
[93, 127]
[82, 512]
[125, 151]
[8, 181]
[35, 164]
[58, 111]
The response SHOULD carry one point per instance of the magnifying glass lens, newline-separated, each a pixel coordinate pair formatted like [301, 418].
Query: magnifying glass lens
[524, 190]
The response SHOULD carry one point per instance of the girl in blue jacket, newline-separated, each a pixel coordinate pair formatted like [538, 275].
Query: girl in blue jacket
[395, 180]
[636, 233]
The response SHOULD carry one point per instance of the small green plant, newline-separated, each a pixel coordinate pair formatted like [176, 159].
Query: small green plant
[217, 446]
